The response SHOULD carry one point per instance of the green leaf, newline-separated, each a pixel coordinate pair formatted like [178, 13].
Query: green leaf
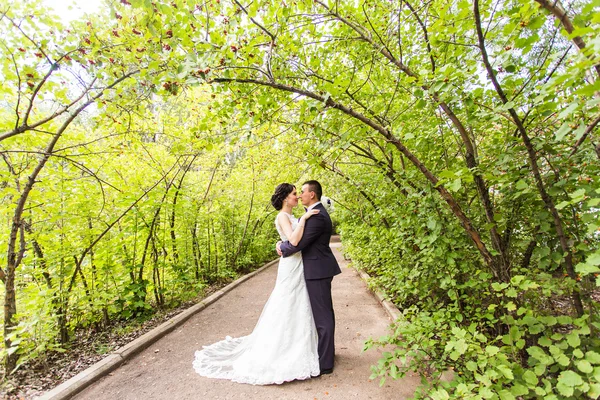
[548, 320]
[471, 366]
[592, 357]
[570, 378]
[455, 185]
[540, 355]
[593, 202]
[593, 259]
[506, 371]
[564, 389]
[577, 195]
[584, 366]
[539, 369]
[594, 391]
[562, 359]
[492, 350]
[530, 378]
[539, 391]
[562, 131]
[573, 339]
[440, 394]
[519, 390]
[507, 106]
[567, 111]
[486, 393]
[579, 131]
[506, 395]
[394, 371]
[461, 346]
[564, 319]
[586, 269]
[597, 374]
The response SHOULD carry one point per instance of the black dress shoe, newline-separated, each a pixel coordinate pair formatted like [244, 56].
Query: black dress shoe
[326, 371]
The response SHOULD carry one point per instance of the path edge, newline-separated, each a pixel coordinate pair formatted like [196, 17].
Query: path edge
[85, 378]
[390, 308]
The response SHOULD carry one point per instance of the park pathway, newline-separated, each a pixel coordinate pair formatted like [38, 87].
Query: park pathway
[164, 370]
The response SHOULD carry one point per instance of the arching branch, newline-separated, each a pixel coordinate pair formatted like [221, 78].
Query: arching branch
[388, 136]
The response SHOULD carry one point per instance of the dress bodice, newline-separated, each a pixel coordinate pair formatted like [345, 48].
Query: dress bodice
[293, 220]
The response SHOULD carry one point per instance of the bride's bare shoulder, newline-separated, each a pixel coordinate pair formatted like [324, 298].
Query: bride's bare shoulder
[283, 216]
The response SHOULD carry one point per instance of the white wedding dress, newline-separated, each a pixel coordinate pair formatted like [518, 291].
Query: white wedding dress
[283, 345]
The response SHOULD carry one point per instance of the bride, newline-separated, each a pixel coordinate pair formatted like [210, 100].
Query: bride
[283, 345]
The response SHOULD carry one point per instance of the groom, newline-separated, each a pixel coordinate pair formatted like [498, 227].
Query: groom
[319, 268]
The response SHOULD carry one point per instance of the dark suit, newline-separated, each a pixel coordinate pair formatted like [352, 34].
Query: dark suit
[320, 266]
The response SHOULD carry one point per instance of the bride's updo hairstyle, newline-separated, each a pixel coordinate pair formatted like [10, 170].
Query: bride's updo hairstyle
[281, 192]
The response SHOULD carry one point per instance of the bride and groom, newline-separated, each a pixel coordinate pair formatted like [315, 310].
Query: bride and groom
[294, 336]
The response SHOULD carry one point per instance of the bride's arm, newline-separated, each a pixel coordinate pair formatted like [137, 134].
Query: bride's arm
[294, 236]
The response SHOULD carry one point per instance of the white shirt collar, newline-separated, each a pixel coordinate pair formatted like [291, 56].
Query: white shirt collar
[313, 206]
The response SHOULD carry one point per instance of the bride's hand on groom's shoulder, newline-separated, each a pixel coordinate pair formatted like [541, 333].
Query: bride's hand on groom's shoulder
[309, 214]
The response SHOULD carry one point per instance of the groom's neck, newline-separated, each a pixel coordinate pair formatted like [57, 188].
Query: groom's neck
[312, 203]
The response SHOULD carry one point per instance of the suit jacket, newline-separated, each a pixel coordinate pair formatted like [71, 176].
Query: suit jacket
[319, 261]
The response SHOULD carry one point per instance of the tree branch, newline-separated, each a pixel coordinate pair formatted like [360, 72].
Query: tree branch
[426, 36]
[587, 131]
[446, 195]
[556, 8]
[24, 127]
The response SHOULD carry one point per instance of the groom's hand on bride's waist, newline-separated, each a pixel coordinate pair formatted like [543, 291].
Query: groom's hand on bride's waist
[278, 247]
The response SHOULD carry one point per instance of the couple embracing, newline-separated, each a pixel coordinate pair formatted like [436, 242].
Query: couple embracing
[294, 336]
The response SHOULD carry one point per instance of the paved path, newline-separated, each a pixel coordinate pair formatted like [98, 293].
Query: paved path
[164, 370]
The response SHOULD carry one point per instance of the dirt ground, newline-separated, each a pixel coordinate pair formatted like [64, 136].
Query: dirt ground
[164, 370]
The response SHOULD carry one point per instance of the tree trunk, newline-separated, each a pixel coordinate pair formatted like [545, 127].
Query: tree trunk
[533, 162]
[172, 226]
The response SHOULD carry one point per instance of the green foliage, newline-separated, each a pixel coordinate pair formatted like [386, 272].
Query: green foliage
[535, 355]
[145, 201]
[472, 201]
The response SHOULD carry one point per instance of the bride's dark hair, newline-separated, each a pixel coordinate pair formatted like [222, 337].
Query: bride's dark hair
[281, 192]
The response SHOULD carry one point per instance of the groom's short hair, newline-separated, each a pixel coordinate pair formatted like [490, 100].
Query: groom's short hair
[314, 186]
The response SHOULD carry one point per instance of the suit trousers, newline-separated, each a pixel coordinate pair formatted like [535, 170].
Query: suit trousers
[319, 292]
